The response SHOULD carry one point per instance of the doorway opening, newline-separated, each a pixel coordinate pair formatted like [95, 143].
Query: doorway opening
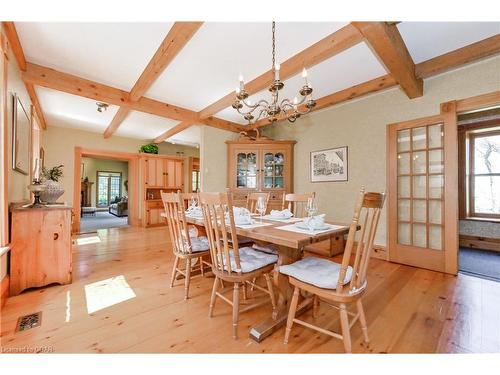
[104, 194]
[479, 193]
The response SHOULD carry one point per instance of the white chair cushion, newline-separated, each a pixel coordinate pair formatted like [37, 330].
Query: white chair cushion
[270, 249]
[199, 244]
[316, 271]
[251, 260]
[242, 240]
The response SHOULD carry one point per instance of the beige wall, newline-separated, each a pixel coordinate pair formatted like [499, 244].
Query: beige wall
[60, 143]
[63, 152]
[213, 158]
[93, 165]
[361, 125]
[17, 181]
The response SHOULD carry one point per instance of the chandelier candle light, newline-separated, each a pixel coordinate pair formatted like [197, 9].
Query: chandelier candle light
[274, 109]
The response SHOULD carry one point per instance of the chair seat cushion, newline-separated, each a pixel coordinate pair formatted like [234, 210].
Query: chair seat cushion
[269, 249]
[251, 260]
[316, 271]
[199, 244]
[242, 240]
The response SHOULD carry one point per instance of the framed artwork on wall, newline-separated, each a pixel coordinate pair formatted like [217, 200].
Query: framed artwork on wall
[21, 137]
[329, 165]
[42, 157]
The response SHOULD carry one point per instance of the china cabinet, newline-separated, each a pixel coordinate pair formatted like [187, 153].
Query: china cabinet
[261, 165]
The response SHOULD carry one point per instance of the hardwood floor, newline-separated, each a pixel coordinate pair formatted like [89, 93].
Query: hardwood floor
[409, 310]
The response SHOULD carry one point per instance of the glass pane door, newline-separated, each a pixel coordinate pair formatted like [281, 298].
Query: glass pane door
[274, 164]
[420, 176]
[108, 187]
[246, 170]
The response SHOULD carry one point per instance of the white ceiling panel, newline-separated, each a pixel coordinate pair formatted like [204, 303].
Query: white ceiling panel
[111, 53]
[189, 137]
[144, 126]
[208, 67]
[426, 40]
[348, 68]
[73, 111]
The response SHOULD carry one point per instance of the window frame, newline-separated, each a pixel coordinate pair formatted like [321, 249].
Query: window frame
[472, 136]
[109, 186]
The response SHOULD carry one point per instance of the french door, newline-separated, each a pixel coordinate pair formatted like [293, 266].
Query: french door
[422, 187]
[108, 187]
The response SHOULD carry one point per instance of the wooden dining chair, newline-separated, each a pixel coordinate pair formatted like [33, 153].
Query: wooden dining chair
[230, 263]
[186, 198]
[339, 285]
[252, 199]
[185, 246]
[296, 203]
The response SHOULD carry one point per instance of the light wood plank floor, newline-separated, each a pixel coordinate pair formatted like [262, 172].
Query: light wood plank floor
[408, 310]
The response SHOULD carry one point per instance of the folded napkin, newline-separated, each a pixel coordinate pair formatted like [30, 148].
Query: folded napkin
[241, 216]
[314, 222]
[194, 211]
[281, 214]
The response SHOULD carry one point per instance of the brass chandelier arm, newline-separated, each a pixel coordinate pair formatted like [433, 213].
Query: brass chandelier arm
[271, 109]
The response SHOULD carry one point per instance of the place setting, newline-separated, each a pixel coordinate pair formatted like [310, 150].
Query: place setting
[243, 218]
[311, 225]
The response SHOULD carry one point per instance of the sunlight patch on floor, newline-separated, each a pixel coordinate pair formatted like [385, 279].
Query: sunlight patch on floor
[106, 293]
[88, 240]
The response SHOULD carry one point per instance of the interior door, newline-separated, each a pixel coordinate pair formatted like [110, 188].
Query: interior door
[422, 186]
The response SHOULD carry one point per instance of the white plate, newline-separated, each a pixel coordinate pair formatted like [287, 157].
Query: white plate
[280, 218]
[302, 225]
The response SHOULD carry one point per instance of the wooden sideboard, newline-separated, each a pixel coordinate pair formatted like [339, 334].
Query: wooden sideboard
[261, 165]
[40, 247]
[160, 172]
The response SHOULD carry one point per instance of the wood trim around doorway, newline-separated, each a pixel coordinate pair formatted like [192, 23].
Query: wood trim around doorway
[133, 182]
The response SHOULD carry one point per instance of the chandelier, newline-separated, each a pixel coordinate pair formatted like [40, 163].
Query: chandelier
[274, 109]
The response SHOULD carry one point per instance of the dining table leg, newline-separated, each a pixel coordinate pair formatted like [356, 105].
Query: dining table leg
[282, 286]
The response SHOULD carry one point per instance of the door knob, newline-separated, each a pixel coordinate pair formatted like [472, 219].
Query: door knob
[56, 236]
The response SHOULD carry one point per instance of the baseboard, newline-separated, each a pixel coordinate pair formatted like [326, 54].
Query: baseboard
[480, 243]
[4, 290]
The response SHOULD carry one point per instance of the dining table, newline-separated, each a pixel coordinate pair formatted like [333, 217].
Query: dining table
[290, 244]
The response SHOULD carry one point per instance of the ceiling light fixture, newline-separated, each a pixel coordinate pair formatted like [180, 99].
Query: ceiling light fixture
[273, 110]
[102, 106]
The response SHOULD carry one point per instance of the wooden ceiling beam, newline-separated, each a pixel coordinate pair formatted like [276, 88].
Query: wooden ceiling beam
[475, 51]
[178, 36]
[327, 47]
[15, 45]
[173, 131]
[484, 48]
[350, 93]
[387, 43]
[56, 80]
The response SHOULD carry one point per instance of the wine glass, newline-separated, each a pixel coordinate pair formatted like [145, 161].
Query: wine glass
[311, 207]
[193, 203]
[261, 207]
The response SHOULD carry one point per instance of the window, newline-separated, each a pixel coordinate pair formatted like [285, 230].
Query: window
[484, 174]
[195, 181]
[109, 186]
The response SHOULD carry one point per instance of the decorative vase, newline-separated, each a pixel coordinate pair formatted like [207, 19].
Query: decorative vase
[52, 193]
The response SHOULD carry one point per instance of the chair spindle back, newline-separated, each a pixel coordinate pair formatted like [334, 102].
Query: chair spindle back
[176, 222]
[252, 199]
[296, 203]
[367, 214]
[218, 217]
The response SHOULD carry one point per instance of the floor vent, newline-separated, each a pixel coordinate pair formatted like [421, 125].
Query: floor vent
[29, 321]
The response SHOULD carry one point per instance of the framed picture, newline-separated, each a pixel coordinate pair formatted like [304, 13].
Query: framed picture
[329, 165]
[21, 137]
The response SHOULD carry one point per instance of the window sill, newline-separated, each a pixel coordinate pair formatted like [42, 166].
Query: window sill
[485, 219]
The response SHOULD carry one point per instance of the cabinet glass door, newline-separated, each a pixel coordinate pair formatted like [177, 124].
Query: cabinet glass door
[246, 170]
[274, 164]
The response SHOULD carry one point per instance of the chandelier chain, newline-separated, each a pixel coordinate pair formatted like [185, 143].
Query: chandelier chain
[274, 46]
